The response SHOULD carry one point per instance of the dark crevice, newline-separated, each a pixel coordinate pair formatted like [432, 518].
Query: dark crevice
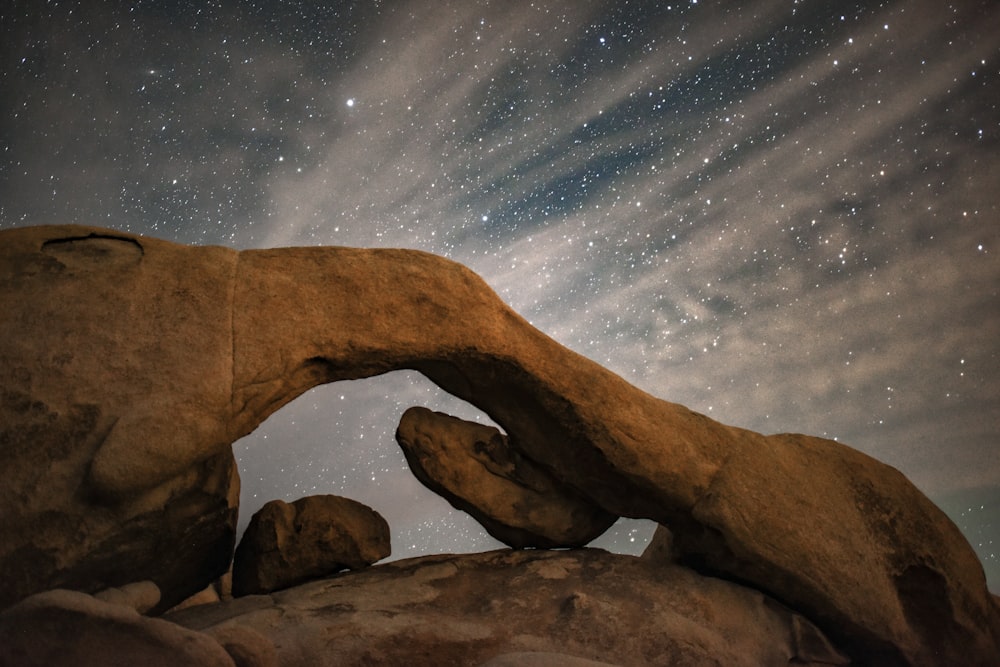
[56, 244]
[94, 252]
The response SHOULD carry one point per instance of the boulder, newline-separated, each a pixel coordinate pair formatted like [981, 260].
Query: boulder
[140, 596]
[586, 605]
[114, 432]
[288, 543]
[516, 500]
[62, 628]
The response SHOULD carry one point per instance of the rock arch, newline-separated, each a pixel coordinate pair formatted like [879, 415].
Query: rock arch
[124, 384]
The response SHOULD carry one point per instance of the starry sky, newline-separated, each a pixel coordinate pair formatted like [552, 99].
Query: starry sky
[782, 214]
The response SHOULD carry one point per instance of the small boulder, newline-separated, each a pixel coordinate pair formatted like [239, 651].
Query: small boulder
[288, 543]
[515, 499]
[140, 596]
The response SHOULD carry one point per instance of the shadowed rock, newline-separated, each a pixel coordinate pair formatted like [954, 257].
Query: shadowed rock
[62, 628]
[513, 498]
[288, 543]
[134, 362]
[140, 596]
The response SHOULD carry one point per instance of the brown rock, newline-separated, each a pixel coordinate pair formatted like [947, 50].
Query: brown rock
[661, 547]
[584, 604]
[539, 659]
[140, 596]
[110, 415]
[513, 498]
[736, 501]
[207, 595]
[62, 628]
[94, 386]
[315, 536]
[247, 647]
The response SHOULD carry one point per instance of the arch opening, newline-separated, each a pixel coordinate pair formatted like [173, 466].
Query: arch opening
[339, 438]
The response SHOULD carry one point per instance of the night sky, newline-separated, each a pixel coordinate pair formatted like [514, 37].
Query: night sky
[783, 215]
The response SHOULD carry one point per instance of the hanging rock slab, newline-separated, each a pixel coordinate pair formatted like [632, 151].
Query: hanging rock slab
[517, 502]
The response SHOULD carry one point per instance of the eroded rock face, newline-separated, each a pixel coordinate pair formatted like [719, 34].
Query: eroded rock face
[113, 425]
[512, 497]
[585, 605]
[90, 372]
[288, 543]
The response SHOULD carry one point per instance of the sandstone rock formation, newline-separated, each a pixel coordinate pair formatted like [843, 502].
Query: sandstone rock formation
[512, 497]
[114, 432]
[586, 605]
[288, 543]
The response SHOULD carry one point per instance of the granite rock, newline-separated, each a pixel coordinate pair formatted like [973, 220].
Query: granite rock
[288, 543]
[516, 500]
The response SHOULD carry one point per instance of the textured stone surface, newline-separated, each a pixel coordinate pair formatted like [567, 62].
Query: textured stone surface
[512, 497]
[95, 384]
[585, 604]
[247, 648]
[288, 543]
[115, 428]
[62, 628]
[539, 659]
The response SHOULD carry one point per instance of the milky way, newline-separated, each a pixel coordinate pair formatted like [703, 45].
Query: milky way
[783, 215]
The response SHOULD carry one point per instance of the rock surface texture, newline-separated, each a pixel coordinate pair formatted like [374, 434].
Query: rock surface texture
[512, 497]
[115, 432]
[99, 385]
[288, 543]
[62, 627]
[581, 606]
